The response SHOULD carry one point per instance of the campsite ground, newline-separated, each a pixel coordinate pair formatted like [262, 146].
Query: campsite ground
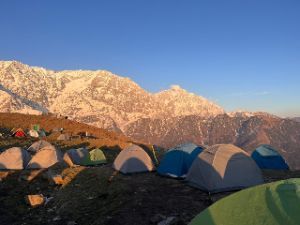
[96, 195]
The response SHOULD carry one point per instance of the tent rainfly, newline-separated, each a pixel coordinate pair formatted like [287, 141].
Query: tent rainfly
[14, 159]
[94, 157]
[133, 159]
[64, 137]
[45, 158]
[76, 156]
[177, 161]
[269, 204]
[19, 133]
[224, 167]
[266, 157]
[36, 146]
[33, 133]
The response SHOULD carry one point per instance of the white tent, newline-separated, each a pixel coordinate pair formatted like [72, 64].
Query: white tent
[64, 137]
[36, 146]
[14, 159]
[133, 159]
[45, 158]
[33, 133]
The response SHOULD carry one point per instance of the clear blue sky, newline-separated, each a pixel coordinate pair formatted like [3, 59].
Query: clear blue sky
[241, 54]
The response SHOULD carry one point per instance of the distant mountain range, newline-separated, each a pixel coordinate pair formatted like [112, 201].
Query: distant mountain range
[296, 119]
[246, 131]
[97, 97]
[167, 118]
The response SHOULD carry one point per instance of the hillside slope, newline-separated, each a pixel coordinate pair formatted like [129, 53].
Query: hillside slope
[242, 130]
[103, 138]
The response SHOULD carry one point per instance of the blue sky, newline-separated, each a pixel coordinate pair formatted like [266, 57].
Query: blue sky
[241, 54]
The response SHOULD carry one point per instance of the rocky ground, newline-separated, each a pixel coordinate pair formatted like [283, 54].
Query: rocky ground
[97, 195]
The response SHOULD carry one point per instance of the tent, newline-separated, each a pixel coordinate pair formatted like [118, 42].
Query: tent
[133, 159]
[56, 129]
[269, 204]
[33, 133]
[64, 137]
[76, 156]
[19, 133]
[267, 157]
[224, 167]
[45, 158]
[14, 159]
[42, 133]
[94, 157]
[37, 134]
[35, 127]
[177, 161]
[36, 146]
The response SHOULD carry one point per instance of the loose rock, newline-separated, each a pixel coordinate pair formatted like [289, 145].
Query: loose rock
[35, 200]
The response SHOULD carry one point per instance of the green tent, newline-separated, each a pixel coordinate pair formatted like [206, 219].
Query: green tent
[36, 127]
[94, 157]
[269, 204]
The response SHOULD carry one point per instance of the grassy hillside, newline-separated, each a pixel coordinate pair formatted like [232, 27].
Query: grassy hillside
[110, 142]
[15, 120]
[103, 138]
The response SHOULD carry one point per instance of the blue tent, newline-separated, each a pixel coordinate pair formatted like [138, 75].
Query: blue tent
[177, 161]
[267, 157]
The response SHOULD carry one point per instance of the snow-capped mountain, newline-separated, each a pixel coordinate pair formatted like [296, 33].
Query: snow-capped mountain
[97, 97]
[116, 103]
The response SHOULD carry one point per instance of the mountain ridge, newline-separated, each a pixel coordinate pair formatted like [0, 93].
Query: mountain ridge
[105, 100]
[83, 93]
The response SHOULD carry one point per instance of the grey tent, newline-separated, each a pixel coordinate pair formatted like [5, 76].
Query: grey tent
[45, 158]
[42, 133]
[133, 159]
[64, 137]
[76, 156]
[224, 167]
[36, 146]
[14, 159]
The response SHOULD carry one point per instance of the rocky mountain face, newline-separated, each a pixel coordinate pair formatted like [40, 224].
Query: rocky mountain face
[167, 118]
[296, 119]
[246, 131]
[99, 98]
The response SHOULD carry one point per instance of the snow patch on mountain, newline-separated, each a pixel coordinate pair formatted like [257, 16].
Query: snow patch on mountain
[94, 96]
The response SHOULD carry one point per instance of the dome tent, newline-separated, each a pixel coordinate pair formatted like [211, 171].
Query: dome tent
[18, 133]
[269, 204]
[33, 133]
[42, 133]
[36, 146]
[94, 157]
[64, 137]
[267, 157]
[223, 167]
[37, 134]
[14, 159]
[177, 161]
[133, 159]
[76, 156]
[45, 158]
